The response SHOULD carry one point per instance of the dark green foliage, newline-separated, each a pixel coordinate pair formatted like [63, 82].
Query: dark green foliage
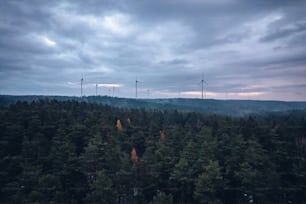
[209, 184]
[162, 198]
[72, 152]
[207, 106]
[102, 189]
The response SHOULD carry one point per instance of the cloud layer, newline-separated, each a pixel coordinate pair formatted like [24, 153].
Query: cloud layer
[246, 50]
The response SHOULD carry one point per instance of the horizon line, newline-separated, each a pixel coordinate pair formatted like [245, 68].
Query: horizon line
[151, 98]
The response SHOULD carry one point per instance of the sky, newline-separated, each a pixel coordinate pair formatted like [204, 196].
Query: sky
[242, 49]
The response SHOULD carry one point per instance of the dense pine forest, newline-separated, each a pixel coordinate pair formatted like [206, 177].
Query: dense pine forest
[237, 108]
[77, 152]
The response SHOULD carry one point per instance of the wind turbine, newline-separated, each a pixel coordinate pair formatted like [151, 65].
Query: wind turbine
[82, 86]
[136, 86]
[96, 89]
[203, 81]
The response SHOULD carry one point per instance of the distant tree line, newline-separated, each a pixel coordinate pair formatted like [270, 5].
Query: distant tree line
[237, 108]
[77, 152]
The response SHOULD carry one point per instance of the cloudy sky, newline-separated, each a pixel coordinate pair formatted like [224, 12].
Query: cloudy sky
[244, 49]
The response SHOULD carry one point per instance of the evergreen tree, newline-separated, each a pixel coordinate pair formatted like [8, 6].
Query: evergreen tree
[102, 190]
[209, 184]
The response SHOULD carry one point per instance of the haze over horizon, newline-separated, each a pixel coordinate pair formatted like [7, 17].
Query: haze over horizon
[245, 50]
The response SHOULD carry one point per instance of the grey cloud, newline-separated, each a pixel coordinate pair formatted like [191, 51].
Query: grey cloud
[285, 32]
[174, 62]
[280, 61]
[299, 41]
[168, 48]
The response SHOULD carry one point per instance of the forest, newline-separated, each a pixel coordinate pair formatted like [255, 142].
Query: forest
[77, 152]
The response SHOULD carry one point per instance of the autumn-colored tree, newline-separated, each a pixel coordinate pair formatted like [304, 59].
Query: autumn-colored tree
[118, 125]
[161, 136]
[134, 156]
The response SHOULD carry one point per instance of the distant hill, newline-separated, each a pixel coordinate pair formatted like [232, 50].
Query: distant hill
[209, 106]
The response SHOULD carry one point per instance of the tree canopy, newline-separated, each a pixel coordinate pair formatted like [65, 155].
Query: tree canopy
[76, 152]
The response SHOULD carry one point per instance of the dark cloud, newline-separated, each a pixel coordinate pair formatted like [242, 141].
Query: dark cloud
[244, 48]
[285, 32]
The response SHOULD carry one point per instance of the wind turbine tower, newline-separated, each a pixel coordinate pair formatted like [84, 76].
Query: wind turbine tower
[96, 89]
[203, 81]
[82, 86]
[136, 86]
[148, 92]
